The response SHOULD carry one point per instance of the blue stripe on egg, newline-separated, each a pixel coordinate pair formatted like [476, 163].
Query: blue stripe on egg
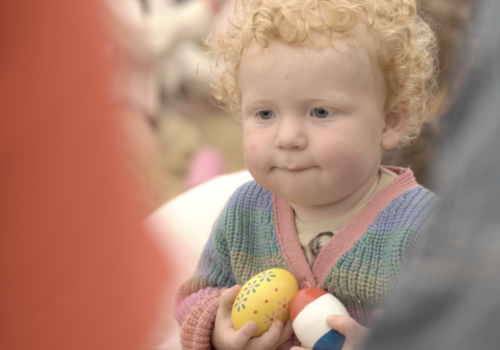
[332, 340]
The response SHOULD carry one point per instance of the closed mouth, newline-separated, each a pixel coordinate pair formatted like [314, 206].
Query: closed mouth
[294, 168]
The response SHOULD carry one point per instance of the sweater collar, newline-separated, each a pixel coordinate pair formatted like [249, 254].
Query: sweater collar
[343, 240]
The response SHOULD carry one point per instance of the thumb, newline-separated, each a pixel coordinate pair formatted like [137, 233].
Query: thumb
[227, 298]
[346, 325]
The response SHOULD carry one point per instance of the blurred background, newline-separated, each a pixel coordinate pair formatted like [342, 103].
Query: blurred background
[175, 138]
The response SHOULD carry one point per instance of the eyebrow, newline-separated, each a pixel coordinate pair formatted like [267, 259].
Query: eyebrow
[336, 98]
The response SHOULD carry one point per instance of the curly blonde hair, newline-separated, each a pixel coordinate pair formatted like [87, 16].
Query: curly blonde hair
[397, 38]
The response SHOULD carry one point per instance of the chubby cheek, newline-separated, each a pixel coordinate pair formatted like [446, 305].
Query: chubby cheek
[348, 162]
[340, 159]
[249, 150]
[253, 154]
[250, 147]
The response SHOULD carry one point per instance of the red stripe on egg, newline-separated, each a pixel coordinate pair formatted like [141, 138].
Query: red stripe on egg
[303, 298]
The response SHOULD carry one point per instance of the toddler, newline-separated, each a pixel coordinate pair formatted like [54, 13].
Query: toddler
[322, 88]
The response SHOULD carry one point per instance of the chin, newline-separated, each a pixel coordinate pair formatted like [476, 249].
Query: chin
[306, 198]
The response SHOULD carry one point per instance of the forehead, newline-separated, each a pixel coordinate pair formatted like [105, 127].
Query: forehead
[282, 68]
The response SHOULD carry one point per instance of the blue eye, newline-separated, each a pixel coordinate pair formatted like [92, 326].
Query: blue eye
[266, 114]
[320, 113]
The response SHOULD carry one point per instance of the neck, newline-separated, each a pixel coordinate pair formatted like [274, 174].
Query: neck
[338, 208]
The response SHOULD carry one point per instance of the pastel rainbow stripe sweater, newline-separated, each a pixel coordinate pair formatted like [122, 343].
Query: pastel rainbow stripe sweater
[360, 265]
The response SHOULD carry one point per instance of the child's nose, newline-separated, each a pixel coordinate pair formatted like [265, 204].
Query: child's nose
[290, 135]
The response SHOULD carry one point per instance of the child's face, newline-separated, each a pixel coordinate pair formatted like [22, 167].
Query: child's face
[313, 122]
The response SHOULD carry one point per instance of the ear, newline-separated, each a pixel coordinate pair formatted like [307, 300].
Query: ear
[395, 122]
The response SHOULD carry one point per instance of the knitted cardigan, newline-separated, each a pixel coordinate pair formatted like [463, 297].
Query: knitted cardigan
[360, 264]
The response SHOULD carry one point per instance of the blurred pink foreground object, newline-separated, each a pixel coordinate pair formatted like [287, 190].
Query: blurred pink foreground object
[206, 164]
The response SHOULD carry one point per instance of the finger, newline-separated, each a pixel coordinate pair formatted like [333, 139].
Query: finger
[274, 337]
[285, 333]
[345, 325]
[223, 332]
[353, 331]
[240, 338]
[227, 299]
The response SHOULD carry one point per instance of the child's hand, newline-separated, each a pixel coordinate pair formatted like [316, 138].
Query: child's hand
[346, 325]
[225, 337]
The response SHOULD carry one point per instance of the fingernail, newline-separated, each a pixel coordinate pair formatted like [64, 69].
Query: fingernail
[252, 327]
[330, 318]
[279, 325]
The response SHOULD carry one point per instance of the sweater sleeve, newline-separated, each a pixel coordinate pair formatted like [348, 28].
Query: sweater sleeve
[198, 298]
